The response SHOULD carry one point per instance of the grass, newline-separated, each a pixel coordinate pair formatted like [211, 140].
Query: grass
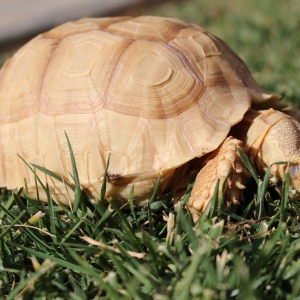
[93, 252]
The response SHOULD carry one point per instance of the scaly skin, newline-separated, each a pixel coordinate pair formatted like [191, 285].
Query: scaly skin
[268, 137]
[219, 163]
[281, 142]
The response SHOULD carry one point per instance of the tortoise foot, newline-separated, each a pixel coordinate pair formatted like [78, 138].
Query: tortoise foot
[223, 162]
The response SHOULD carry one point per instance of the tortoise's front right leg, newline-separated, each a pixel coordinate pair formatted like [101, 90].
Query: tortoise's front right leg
[223, 161]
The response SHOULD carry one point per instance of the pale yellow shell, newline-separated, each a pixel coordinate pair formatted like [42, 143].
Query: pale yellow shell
[152, 92]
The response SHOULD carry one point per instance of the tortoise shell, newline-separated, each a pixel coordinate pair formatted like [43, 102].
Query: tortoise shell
[152, 93]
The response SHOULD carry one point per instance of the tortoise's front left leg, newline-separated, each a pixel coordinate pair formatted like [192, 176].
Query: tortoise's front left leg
[223, 161]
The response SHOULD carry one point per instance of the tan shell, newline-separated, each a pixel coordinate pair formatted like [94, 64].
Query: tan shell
[152, 92]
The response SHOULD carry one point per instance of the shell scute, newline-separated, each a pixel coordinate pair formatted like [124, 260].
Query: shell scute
[149, 28]
[79, 72]
[164, 95]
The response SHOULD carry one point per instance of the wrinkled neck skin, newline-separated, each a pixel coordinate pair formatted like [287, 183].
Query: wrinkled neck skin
[271, 136]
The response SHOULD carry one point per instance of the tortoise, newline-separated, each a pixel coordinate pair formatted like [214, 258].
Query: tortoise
[156, 95]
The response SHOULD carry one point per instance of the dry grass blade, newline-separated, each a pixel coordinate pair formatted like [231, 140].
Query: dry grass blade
[114, 249]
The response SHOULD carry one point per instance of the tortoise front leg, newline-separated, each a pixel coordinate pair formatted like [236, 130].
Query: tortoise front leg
[223, 161]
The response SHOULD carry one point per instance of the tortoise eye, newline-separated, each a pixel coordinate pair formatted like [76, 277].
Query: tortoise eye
[294, 171]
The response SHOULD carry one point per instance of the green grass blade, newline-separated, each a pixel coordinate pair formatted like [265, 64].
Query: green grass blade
[32, 235]
[77, 190]
[248, 209]
[71, 229]
[33, 171]
[51, 214]
[284, 197]
[15, 221]
[155, 191]
[214, 202]
[131, 203]
[127, 228]
[103, 188]
[151, 227]
[182, 290]
[90, 270]
[27, 284]
[8, 206]
[52, 174]
[22, 207]
[153, 250]
[261, 192]
[248, 164]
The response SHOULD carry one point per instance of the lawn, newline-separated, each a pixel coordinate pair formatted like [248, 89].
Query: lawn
[50, 252]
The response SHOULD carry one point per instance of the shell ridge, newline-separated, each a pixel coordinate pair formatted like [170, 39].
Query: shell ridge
[63, 169]
[185, 135]
[111, 76]
[102, 150]
[44, 73]
[185, 61]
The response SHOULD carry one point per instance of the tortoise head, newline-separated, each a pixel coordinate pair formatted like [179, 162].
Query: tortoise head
[275, 137]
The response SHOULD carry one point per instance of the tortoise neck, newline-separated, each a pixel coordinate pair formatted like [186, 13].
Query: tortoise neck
[241, 129]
